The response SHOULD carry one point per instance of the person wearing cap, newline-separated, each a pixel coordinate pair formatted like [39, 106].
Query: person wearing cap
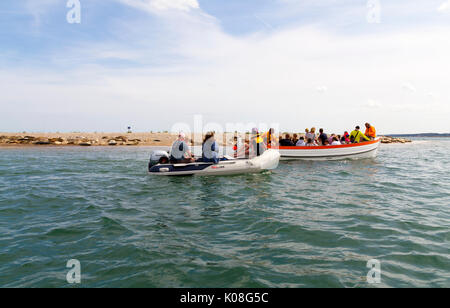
[257, 145]
[181, 152]
[370, 131]
[356, 136]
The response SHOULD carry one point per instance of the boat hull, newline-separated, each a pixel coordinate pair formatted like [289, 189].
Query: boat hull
[268, 161]
[339, 152]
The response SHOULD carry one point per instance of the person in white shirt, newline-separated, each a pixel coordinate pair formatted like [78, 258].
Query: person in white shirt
[301, 142]
[311, 134]
[310, 143]
[181, 152]
[335, 141]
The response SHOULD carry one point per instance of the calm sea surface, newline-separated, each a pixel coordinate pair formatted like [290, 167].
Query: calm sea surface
[306, 224]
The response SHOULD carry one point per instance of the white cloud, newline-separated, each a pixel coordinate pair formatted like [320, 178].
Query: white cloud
[431, 95]
[444, 7]
[184, 5]
[409, 87]
[372, 104]
[38, 8]
[321, 89]
[163, 5]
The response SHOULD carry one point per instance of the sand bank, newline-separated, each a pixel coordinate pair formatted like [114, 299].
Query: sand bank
[120, 139]
[101, 139]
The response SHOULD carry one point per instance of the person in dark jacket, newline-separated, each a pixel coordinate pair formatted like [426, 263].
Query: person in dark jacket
[295, 139]
[287, 141]
[322, 136]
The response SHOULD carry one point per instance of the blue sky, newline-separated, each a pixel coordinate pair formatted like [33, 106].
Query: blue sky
[154, 63]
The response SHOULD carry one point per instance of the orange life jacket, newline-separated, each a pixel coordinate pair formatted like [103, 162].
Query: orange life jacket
[371, 132]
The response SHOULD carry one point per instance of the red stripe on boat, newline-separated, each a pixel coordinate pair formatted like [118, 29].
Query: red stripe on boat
[329, 146]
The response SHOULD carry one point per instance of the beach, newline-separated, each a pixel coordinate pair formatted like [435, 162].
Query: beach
[101, 139]
[121, 139]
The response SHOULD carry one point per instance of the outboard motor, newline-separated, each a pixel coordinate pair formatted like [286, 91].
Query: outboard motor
[158, 157]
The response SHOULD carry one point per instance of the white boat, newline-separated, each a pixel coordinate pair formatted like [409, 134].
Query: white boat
[267, 161]
[367, 149]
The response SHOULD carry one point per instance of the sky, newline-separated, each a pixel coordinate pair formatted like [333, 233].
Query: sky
[156, 64]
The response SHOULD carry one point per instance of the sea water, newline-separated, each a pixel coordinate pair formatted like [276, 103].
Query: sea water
[305, 224]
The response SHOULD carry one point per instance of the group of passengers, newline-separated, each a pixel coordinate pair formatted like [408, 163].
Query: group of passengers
[256, 143]
[181, 152]
[311, 138]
